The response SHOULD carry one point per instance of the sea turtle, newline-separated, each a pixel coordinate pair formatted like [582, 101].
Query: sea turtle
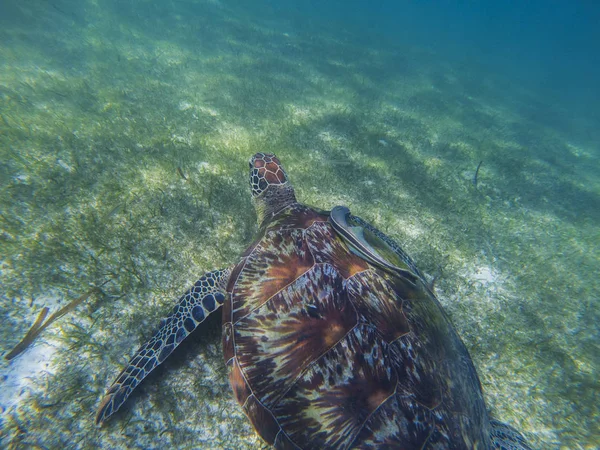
[332, 337]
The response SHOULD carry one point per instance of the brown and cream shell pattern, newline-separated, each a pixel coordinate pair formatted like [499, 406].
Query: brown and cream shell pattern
[328, 351]
[332, 338]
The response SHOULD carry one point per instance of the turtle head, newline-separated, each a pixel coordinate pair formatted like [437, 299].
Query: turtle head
[271, 190]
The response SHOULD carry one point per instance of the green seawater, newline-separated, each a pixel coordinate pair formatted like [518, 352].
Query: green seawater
[125, 133]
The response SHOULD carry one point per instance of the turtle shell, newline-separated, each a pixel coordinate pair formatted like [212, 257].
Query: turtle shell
[326, 350]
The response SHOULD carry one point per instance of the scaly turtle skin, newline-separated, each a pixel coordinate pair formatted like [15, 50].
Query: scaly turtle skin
[332, 338]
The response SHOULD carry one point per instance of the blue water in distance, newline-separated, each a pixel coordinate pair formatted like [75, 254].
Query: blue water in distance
[550, 45]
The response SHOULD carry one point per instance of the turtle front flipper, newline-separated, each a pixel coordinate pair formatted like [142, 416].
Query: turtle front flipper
[205, 297]
[367, 242]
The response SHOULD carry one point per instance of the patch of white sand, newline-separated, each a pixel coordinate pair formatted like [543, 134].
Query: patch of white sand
[486, 275]
[18, 376]
[488, 278]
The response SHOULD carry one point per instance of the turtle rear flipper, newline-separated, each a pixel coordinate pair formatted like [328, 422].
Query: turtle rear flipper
[505, 437]
[205, 297]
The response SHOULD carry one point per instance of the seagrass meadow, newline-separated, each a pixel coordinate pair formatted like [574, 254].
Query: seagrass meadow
[125, 133]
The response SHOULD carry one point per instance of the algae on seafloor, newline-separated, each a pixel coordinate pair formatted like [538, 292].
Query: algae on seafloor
[40, 324]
